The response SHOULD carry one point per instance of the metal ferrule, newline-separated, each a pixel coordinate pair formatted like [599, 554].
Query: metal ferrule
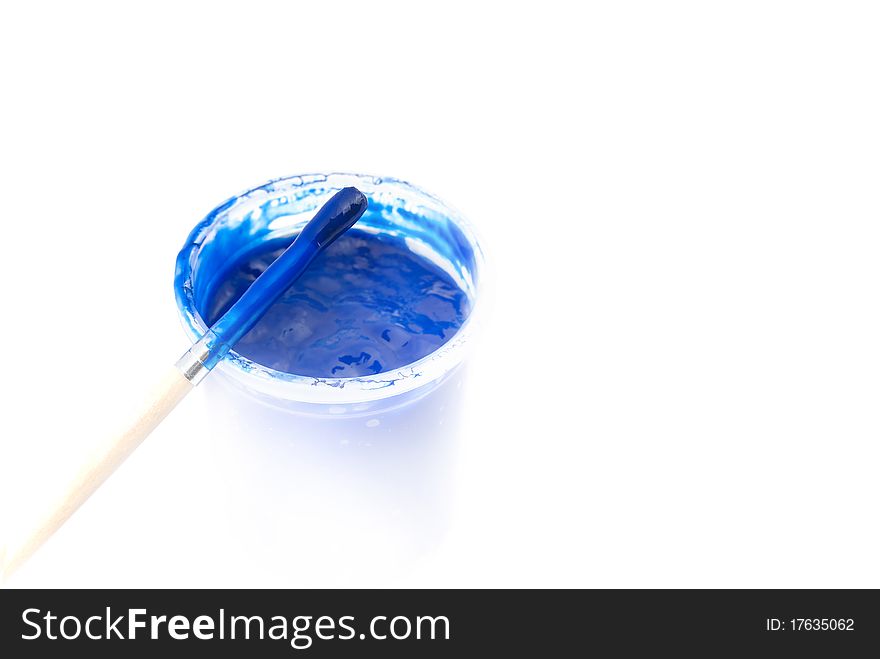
[194, 362]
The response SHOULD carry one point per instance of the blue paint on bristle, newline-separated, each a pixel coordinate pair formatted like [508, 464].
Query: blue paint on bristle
[332, 220]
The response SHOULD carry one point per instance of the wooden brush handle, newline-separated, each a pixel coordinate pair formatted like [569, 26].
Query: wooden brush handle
[103, 462]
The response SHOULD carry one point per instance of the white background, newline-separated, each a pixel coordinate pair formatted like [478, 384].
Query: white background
[678, 382]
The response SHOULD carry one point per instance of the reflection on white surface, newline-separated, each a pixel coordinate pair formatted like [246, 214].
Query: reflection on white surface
[324, 500]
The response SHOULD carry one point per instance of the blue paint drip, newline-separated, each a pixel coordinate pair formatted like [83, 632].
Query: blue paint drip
[367, 304]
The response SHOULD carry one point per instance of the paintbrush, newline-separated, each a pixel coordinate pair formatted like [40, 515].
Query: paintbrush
[332, 220]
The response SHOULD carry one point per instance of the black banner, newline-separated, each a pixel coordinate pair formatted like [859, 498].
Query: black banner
[429, 623]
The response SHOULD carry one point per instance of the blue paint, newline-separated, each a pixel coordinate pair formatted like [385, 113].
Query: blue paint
[367, 304]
